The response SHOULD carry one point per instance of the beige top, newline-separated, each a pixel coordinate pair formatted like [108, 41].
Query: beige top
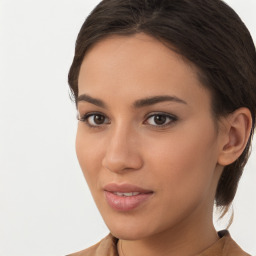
[225, 246]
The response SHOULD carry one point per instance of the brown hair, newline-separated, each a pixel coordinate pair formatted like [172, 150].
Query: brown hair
[207, 33]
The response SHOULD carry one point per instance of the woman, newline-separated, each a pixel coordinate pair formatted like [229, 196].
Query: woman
[166, 98]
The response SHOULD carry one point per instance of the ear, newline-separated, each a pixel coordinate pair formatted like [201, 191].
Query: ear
[236, 134]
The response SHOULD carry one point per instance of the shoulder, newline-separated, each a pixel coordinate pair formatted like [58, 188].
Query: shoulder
[230, 247]
[225, 246]
[107, 246]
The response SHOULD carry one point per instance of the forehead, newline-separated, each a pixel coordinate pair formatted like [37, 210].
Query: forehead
[139, 49]
[137, 65]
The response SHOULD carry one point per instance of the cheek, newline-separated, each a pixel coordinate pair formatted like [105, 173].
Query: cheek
[88, 154]
[185, 162]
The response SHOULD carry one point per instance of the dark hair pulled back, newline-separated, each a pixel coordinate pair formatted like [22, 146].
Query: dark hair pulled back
[207, 33]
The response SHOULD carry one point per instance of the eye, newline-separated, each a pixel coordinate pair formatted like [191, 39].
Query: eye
[160, 119]
[94, 119]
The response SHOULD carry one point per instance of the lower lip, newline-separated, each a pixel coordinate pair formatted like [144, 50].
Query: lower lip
[125, 203]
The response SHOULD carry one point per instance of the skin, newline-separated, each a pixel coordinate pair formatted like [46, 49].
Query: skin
[180, 162]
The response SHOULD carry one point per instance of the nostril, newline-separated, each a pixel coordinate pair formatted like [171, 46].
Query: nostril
[122, 162]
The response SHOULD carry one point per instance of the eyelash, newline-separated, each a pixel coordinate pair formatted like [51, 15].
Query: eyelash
[172, 119]
[85, 118]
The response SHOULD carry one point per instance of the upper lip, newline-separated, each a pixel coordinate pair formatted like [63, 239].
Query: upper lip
[125, 188]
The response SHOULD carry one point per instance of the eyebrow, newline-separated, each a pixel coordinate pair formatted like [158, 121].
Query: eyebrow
[87, 98]
[156, 99]
[137, 104]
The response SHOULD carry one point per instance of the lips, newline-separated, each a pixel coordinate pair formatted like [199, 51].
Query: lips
[126, 197]
[125, 188]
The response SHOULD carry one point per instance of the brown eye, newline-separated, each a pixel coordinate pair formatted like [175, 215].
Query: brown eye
[94, 119]
[98, 119]
[161, 119]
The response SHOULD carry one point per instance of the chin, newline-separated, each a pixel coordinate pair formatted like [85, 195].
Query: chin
[131, 229]
[128, 234]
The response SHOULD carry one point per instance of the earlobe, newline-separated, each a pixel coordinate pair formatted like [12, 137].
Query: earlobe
[237, 131]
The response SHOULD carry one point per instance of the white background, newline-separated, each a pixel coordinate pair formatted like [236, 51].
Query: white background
[45, 206]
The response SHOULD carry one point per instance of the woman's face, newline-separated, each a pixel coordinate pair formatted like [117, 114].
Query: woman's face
[146, 140]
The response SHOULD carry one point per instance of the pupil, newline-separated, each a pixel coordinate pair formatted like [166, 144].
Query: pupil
[160, 119]
[98, 119]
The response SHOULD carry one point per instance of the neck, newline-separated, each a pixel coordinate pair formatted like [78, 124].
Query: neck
[182, 241]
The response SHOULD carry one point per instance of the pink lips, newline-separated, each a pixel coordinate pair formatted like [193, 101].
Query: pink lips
[119, 197]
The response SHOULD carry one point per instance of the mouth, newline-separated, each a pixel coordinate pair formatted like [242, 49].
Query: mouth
[126, 194]
[126, 197]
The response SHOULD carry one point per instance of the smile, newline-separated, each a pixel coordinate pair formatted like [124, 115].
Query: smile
[126, 194]
[126, 197]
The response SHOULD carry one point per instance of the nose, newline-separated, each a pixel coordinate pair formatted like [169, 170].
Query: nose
[122, 152]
